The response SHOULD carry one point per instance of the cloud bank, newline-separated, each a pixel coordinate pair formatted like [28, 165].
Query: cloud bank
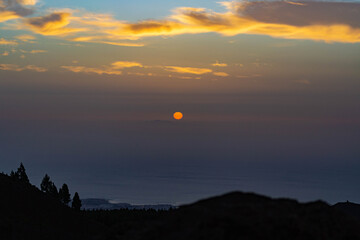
[327, 21]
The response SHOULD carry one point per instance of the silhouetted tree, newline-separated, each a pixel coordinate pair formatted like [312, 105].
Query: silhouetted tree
[76, 202]
[45, 185]
[21, 174]
[13, 175]
[64, 194]
[48, 186]
[53, 190]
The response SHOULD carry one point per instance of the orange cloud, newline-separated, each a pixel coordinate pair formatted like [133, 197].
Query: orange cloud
[52, 24]
[319, 21]
[221, 74]
[125, 64]
[27, 2]
[7, 42]
[100, 71]
[246, 18]
[26, 38]
[217, 64]
[8, 15]
[190, 70]
[12, 9]
[113, 69]
[17, 68]
[124, 44]
[33, 51]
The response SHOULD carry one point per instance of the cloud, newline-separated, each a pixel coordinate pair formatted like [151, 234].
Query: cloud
[26, 38]
[27, 2]
[113, 69]
[125, 64]
[221, 74]
[217, 64]
[33, 51]
[17, 68]
[7, 42]
[37, 51]
[35, 68]
[189, 70]
[12, 9]
[124, 44]
[311, 20]
[325, 21]
[100, 71]
[53, 24]
[7, 15]
[301, 13]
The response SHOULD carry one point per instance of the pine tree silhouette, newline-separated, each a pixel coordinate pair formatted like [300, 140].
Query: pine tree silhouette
[64, 194]
[21, 174]
[76, 202]
[48, 186]
[45, 185]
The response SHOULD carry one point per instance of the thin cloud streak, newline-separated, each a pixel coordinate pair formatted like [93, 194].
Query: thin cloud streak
[17, 68]
[189, 70]
[3, 41]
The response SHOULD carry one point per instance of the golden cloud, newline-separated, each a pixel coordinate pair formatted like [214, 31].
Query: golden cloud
[17, 68]
[246, 18]
[12, 9]
[125, 64]
[100, 71]
[7, 42]
[8, 15]
[113, 69]
[221, 74]
[217, 64]
[319, 21]
[124, 44]
[190, 70]
[27, 2]
[52, 24]
[33, 51]
[26, 38]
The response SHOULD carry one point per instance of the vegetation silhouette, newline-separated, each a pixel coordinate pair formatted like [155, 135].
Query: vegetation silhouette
[76, 202]
[30, 213]
[20, 174]
[64, 194]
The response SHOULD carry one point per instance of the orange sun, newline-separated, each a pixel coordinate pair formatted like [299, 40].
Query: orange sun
[178, 115]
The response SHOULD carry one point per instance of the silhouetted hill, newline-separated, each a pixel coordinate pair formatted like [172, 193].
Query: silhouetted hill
[28, 213]
[249, 216]
[349, 208]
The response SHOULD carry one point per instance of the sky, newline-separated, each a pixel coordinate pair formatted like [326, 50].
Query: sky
[269, 90]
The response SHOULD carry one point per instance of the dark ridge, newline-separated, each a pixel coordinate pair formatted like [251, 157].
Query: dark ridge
[28, 213]
[240, 215]
[352, 209]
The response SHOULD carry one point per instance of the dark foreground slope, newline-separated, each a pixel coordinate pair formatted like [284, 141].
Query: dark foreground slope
[349, 208]
[27, 213]
[249, 216]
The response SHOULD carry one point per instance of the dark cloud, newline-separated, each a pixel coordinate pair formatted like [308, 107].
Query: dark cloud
[302, 13]
[17, 7]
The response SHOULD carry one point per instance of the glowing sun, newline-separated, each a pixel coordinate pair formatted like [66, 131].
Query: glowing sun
[178, 115]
